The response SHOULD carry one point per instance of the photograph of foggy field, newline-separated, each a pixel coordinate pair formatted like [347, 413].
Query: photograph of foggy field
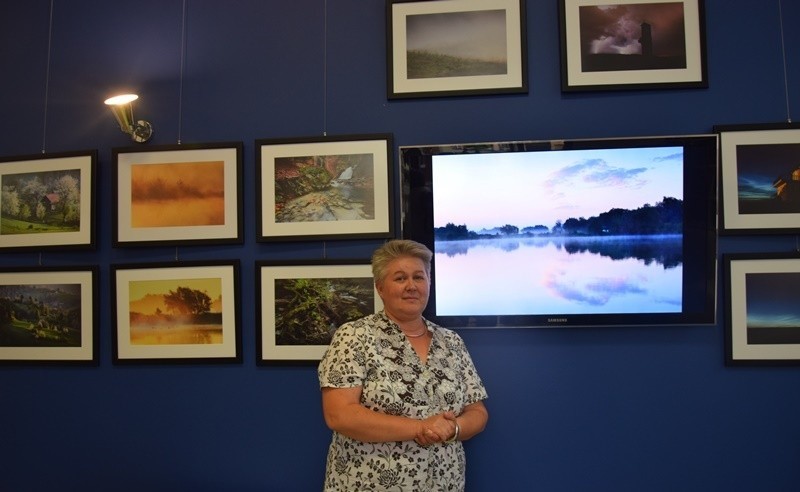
[456, 47]
[456, 44]
[178, 194]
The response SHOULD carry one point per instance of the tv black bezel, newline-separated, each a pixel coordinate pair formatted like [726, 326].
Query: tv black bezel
[701, 156]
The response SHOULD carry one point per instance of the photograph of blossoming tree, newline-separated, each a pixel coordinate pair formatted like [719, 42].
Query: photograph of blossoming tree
[40, 202]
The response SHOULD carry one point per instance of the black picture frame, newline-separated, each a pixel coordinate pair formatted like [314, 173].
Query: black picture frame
[292, 328]
[176, 312]
[762, 303]
[593, 57]
[484, 50]
[759, 178]
[178, 194]
[66, 333]
[328, 187]
[48, 201]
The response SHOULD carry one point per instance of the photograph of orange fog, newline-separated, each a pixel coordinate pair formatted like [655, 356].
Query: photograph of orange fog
[175, 311]
[178, 194]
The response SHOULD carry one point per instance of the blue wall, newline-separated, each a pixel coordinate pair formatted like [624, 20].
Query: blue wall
[616, 409]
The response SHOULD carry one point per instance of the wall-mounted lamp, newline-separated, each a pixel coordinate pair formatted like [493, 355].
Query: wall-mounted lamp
[121, 106]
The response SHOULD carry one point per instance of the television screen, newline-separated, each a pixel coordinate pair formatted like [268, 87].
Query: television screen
[596, 232]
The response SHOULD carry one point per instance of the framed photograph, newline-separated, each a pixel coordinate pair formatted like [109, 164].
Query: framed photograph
[176, 312]
[455, 48]
[763, 309]
[760, 178]
[335, 187]
[301, 304]
[49, 315]
[178, 194]
[632, 44]
[48, 201]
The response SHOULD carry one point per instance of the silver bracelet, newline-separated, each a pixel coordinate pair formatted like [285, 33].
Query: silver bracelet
[455, 435]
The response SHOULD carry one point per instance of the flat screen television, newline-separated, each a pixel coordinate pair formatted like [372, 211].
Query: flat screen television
[592, 232]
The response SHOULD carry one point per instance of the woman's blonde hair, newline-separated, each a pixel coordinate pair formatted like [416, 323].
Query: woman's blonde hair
[396, 248]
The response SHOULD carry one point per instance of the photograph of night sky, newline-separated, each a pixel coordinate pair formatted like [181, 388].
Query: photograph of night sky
[773, 308]
[768, 178]
[640, 36]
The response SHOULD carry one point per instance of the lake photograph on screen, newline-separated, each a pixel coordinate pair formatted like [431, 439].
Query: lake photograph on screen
[571, 232]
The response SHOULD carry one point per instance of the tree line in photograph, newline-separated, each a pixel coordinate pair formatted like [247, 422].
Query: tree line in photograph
[663, 218]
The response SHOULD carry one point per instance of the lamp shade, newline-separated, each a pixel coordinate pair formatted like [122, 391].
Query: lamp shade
[122, 109]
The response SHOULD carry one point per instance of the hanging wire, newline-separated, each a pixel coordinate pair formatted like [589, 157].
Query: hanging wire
[785, 75]
[47, 78]
[325, 90]
[183, 62]
[325, 69]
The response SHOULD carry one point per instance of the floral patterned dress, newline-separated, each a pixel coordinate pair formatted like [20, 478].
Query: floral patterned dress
[373, 353]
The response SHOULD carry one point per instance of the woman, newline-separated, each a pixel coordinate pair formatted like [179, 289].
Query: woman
[399, 392]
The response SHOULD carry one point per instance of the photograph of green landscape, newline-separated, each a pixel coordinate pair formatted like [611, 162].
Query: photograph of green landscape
[40, 315]
[40, 202]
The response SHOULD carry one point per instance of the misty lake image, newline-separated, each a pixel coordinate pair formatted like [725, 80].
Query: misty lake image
[570, 232]
[456, 44]
[47, 315]
[324, 188]
[626, 274]
[40, 202]
[176, 311]
[178, 194]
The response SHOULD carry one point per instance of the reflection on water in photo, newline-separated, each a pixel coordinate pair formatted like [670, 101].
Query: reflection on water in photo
[565, 275]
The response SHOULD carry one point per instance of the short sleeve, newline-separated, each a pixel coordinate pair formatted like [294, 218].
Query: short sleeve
[344, 362]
